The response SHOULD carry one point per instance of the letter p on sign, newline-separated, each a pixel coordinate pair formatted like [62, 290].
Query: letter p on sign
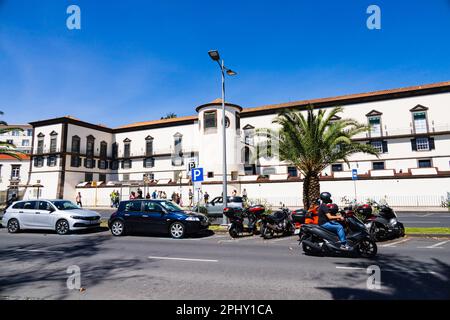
[197, 175]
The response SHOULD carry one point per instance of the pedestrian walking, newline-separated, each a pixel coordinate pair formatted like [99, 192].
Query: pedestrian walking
[116, 199]
[132, 195]
[147, 196]
[244, 195]
[206, 197]
[154, 194]
[191, 198]
[78, 199]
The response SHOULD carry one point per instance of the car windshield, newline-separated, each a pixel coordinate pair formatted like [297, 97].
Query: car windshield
[65, 205]
[170, 206]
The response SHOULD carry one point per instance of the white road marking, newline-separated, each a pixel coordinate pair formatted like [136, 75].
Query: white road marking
[351, 268]
[428, 214]
[436, 245]
[388, 270]
[393, 244]
[281, 239]
[183, 259]
[426, 222]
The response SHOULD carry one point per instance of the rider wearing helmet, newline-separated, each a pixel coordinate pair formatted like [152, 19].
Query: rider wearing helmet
[329, 221]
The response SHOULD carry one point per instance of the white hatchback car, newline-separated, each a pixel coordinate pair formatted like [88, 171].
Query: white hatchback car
[62, 216]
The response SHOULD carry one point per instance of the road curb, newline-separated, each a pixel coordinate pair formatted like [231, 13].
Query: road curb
[435, 235]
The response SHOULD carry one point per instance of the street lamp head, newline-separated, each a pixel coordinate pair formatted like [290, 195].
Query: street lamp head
[231, 72]
[214, 54]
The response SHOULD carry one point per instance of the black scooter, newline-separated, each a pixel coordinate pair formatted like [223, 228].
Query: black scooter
[384, 225]
[279, 222]
[320, 241]
[237, 216]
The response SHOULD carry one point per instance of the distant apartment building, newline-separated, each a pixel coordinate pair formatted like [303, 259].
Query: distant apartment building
[21, 139]
[409, 126]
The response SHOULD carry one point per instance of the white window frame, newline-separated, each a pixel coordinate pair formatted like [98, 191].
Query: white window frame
[372, 132]
[378, 145]
[423, 144]
[420, 125]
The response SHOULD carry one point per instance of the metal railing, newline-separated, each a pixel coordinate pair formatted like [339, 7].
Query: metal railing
[395, 201]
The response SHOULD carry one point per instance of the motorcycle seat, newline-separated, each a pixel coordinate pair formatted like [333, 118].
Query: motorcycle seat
[278, 216]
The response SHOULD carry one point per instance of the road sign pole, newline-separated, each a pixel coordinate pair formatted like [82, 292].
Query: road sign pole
[354, 178]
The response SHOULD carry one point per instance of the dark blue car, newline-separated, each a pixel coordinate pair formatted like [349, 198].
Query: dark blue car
[155, 216]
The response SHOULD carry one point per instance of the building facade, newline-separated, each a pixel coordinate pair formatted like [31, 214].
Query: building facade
[410, 127]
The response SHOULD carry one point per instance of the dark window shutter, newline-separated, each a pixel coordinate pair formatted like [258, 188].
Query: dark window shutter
[414, 144]
[48, 161]
[431, 143]
[385, 146]
[36, 160]
[85, 162]
[121, 164]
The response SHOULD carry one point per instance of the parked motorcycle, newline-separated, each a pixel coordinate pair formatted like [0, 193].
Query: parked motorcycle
[237, 216]
[317, 240]
[279, 222]
[384, 225]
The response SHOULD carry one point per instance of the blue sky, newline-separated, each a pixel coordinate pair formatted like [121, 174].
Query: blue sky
[138, 60]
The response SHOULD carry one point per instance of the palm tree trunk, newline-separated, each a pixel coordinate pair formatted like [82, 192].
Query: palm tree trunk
[311, 189]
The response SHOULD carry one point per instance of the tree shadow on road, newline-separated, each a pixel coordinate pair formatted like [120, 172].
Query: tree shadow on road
[402, 277]
[31, 268]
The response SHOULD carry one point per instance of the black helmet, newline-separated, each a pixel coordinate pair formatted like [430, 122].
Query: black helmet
[325, 197]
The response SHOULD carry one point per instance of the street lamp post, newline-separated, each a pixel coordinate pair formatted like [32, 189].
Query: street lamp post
[214, 54]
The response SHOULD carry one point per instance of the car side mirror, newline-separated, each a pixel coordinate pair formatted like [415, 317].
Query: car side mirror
[51, 210]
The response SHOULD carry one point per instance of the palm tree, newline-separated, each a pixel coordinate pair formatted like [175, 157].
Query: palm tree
[170, 115]
[314, 142]
[9, 148]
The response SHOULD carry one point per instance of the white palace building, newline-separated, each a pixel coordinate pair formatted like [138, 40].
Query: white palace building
[410, 126]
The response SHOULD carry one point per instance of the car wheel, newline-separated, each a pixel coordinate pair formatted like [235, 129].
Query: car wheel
[177, 230]
[62, 227]
[117, 228]
[13, 226]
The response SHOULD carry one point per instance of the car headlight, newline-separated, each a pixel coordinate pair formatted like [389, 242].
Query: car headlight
[192, 219]
[393, 222]
[77, 217]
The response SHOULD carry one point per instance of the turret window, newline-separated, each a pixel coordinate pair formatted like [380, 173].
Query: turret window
[210, 119]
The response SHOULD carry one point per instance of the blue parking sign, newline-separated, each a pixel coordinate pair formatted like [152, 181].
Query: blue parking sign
[354, 174]
[197, 175]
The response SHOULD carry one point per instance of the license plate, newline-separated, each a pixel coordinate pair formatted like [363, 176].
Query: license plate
[297, 231]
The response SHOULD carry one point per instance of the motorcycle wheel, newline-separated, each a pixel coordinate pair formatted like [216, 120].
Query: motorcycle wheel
[267, 233]
[233, 232]
[374, 234]
[261, 230]
[367, 248]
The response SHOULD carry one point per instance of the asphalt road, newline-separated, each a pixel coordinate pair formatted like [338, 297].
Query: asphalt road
[409, 219]
[33, 265]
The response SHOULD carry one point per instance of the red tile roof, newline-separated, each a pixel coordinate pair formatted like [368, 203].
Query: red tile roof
[8, 157]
